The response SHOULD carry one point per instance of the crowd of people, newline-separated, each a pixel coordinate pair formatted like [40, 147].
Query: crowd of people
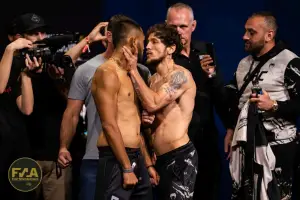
[151, 131]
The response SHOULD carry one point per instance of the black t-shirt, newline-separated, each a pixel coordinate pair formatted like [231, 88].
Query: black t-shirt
[45, 120]
[12, 123]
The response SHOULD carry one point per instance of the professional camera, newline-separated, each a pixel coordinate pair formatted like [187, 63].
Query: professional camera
[52, 52]
[52, 48]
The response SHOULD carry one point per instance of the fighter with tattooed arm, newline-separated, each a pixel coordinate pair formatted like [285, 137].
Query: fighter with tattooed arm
[171, 97]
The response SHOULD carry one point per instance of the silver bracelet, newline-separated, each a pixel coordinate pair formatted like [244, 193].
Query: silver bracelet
[128, 170]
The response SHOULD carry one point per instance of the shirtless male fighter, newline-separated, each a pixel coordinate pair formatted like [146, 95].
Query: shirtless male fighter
[122, 171]
[171, 98]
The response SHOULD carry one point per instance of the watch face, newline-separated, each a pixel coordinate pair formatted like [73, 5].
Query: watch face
[275, 106]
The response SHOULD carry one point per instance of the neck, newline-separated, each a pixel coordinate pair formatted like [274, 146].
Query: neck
[165, 66]
[119, 58]
[266, 49]
[186, 49]
[108, 52]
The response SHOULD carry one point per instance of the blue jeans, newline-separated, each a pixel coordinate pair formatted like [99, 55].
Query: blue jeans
[88, 173]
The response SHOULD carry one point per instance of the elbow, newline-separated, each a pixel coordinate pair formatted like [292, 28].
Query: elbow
[151, 108]
[2, 89]
[109, 128]
[27, 110]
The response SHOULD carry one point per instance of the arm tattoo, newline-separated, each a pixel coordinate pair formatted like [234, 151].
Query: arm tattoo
[176, 81]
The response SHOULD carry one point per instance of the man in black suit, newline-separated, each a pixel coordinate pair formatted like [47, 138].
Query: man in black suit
[210, 94]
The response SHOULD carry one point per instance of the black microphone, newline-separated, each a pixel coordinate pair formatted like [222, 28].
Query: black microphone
[59, 40]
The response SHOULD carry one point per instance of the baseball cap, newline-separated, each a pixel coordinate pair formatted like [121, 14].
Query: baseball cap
[29, 22]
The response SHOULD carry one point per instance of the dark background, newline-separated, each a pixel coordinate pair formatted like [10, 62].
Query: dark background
[218, 21]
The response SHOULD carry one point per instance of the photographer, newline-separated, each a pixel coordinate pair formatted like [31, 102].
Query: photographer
[15, 95]
[44, 123]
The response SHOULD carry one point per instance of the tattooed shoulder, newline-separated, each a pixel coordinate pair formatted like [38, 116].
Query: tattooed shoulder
[177, 79]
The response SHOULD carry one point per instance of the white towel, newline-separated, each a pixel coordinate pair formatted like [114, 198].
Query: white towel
[263, 156]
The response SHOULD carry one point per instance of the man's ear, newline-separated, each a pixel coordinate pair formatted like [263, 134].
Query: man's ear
[108, 35]
[194, 25]
[270, 35]
[171, 49]
[133, 45]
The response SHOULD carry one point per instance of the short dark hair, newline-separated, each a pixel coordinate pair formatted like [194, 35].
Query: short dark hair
[122, 29]
[116, 19]
[167, 34]
[270, 20]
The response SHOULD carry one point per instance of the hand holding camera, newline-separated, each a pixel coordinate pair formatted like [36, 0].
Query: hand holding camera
[33, 65]
[20, 43]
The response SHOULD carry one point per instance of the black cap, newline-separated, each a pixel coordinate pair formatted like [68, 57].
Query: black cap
[29, 22]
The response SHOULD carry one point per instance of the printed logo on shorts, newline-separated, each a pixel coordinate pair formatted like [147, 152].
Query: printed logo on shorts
[114, 197]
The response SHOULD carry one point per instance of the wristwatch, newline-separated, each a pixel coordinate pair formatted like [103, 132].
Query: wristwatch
[275, 106]
[212, 74]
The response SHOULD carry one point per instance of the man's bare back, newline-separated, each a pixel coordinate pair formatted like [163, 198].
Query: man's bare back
[127, 112]
[170, 128]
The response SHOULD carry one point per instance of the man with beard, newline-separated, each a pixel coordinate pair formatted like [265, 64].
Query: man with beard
[276, 70]
[122, 171]
[80, 93]
[171, 98]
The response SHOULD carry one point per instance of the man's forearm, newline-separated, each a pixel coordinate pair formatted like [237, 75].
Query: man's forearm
[145, 152]
[145, 94]
[68, 129]
[148, 137]
[5, 67]
[76, 51]
[27, 99]
[115, 141]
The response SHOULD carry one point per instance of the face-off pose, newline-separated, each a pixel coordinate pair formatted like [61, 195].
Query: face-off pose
[171, 97]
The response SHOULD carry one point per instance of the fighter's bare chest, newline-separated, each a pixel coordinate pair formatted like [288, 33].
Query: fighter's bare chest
[157, 83]
[126, 91]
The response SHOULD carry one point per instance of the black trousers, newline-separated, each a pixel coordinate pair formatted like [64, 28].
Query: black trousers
[285, 165]
[178, 171]
[210, 164]
[109, 183]
[296, 184]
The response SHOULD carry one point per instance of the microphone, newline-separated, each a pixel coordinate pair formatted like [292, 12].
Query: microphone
[59, 39]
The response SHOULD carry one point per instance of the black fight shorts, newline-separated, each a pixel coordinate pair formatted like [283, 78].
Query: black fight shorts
[178, 171]
[109, 183]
